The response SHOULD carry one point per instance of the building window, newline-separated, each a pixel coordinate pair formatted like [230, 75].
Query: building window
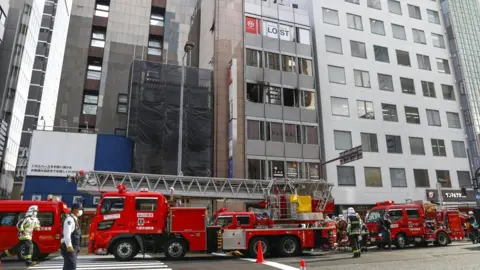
[408, 86]
[305, 67]
[362, 78]
[336, 74]
[453, 120]
[428, 89]
[313, 170]
[438, 148]
[291, 97]
[273, 95]
[394, 144]
[353, 1]
[157, 19]
[385, 82]
[414, 12]
[274, 132]
[288, 63]
[256, 169]
[389, 112]
[433, 16]
[376, 4]
[464, 179]
[358, 49]
[94, 72]
[369, 142]
[102, 10]
[343, 140]
[365, 109]
[276, 169]
[3, 17]
[90, 104]
[421, 178]
[459, 149]
[294, 170]
[442, 65]
[333, 44]
[330, 16]
[354, 22]
[398, 177]
[155, 47]
[448, 93]
[255, 93]
[394, 7]
[403, 58]
[438, 41]
[443, 177]
[339, 106]
[398, 32]
[308, 100]
[423, 62]
[377, 27]
[293, 133]
[412, 116]
[98, 38]
[122, 103]
[272, 61]
[346, 176]
[303, 36]
[255, 130]
[310, 135]
[120, 132]
[253, 58]
[381, 54]
[416, 146]
[373, 177]
[419, 36]
[433, 118]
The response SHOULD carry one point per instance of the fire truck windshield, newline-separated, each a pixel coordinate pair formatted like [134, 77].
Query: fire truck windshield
[224, 221]
[112, 205]
[375, 215]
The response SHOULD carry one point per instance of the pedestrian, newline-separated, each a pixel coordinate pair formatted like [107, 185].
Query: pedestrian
[385, 226]
[70, 246]
[354, 225]
[473, 227]
[25, 227]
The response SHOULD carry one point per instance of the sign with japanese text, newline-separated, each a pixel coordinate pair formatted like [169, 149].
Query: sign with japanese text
[60, 154]
[452, 195]
[252, 26]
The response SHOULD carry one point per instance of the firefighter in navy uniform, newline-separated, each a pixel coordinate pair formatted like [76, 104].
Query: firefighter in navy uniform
[354, 226]
[71, 238]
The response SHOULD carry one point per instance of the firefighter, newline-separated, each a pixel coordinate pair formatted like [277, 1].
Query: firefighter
[384, 229]
[71, 238]
[365, 234]
[473, 227]
[25, 227]
[354, 225]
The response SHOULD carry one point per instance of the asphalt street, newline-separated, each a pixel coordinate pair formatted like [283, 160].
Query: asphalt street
[456, 256]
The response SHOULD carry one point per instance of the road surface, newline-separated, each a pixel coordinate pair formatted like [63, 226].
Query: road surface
[456, 256]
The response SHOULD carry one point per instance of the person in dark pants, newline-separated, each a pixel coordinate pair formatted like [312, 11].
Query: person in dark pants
[384, 228]
[354, 225]
[71, 238]
[25, 227]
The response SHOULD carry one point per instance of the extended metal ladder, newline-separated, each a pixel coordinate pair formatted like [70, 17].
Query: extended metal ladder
[97, 182]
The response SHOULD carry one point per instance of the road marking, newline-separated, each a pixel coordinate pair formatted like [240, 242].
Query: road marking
[271, 264]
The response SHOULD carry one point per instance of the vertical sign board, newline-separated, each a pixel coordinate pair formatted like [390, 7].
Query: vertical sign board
[232, 100]
[252, 25]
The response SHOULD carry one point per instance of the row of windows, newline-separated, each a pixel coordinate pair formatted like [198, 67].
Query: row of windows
[281, 96]
[90, 103]
[288, 63]
[343, 141]
[281, 132]
[278, 30]
[336, 74]
[398, 177]
[365, 109]
[258, 169]
[11, 218]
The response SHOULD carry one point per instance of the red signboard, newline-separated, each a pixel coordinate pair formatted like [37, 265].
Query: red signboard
[252, 26]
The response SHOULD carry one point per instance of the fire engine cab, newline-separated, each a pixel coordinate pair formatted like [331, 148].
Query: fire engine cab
[131, 222]
[415, 223]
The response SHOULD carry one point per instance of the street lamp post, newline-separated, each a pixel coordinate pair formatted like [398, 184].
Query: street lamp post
[188, 48]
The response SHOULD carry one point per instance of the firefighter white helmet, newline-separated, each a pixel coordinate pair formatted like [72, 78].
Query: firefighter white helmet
[32, 210]
[351, 211]
[470, 212]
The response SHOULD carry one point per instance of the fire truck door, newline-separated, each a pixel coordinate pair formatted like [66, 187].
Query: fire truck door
[147, 208]
[398, 221]
[414, 222]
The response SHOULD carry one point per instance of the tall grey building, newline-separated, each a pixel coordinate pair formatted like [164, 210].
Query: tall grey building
[4, 6]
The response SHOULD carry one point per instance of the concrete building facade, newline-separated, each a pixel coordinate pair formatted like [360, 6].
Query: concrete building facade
[4, 6]
[387, 83]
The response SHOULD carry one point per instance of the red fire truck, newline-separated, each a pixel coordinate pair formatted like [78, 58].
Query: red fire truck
[45, 241]
[413, 224]
[143, 220]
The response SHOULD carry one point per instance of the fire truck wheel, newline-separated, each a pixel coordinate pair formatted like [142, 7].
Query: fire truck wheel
[252, 248]
[400, 241]
[175, 248]
[125, 249]
[442, 239]
[289, 246]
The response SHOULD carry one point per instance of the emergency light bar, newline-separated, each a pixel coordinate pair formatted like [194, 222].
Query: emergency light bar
[121, 188]
[385, 203]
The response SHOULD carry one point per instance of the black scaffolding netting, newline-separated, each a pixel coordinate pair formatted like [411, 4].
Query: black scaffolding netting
[154, 118]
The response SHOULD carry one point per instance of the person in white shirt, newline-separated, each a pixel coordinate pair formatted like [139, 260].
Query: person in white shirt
[71, 238]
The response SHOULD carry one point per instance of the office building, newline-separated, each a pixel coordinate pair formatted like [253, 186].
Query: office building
[387, 83]
[4, 6]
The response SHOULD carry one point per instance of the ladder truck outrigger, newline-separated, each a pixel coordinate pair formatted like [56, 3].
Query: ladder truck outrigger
[134, 215]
